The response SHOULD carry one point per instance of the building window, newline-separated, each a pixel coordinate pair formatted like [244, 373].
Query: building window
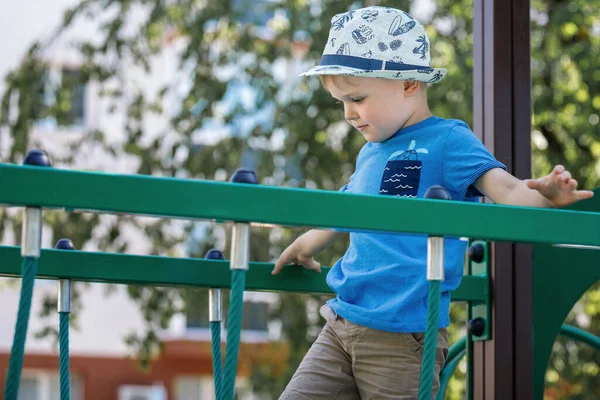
[194, 388]
[253, 12]
[74, 87]
[62, 98]
[202, 388]
[254, 317]
[45, 385]
[197, 318]
[140, 392]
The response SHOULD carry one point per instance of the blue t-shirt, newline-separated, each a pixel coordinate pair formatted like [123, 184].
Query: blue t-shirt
[380, 282]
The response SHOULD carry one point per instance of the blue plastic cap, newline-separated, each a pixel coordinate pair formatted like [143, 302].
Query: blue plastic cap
[476, 326]
[476, 252]
[64, 244]
[214, 254]
[38, 158]
[437, 192]
[244, 175]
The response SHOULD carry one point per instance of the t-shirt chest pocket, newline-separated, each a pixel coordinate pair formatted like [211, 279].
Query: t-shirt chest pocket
[402, 172]
[401, 178]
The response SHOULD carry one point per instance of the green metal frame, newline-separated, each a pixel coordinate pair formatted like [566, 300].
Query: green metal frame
[478, 309]
[458, 350]
[172, 197]
[169, 271]
[561, 276]
[481, 309]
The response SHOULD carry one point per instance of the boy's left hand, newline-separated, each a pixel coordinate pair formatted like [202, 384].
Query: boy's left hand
[559, 188]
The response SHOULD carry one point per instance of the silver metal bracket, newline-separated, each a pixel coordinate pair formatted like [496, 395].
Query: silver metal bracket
[435, 258]
[31, 236]
[64, 295]
[240, 246]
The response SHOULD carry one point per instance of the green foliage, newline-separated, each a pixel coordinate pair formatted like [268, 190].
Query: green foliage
[565, 63]
[302, 145]
[26, 82]
[565, 46]
[573, 368]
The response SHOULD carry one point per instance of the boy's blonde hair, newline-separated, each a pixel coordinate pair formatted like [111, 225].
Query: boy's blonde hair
[331, 78]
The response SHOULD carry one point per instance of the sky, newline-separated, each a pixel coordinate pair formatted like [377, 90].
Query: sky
[21, 23]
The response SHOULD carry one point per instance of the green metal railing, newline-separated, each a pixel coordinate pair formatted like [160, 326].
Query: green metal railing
[168, 271]
[222, 201]
[458, 350]
[75, 191]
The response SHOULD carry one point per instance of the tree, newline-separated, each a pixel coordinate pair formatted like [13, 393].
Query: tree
[300, 143]
[566, 106]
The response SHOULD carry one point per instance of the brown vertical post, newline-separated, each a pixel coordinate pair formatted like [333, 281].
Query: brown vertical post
[523, 253]
[479, 381]
[502, 119]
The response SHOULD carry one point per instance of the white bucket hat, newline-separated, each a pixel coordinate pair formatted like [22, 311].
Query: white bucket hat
[378, 42]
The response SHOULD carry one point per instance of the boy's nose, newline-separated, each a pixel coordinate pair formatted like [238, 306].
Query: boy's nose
[349, 112]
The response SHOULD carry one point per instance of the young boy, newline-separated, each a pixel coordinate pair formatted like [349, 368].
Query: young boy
[377, 63]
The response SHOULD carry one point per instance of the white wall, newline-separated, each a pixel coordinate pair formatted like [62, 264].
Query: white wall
[103, 322]
[22, 22]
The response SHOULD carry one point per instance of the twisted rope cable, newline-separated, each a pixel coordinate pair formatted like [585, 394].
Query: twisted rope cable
[13, 378]
[234, 327]
[215, 328]
[65, 392]
[446, 374]
[428, 362]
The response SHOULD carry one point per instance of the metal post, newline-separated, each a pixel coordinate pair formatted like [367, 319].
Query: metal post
[435, 275]
[240, 235]
[215, 305]
[435, 258]
[31, 239]
[215, 309]
[64, 296]
[240, 246]
[64, 309]
[240, 249]
[64, 285]
[435, 244]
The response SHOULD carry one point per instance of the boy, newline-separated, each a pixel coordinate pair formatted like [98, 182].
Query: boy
[372, 342]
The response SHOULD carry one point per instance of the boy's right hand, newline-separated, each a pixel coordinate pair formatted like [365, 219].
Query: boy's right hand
[294, 255]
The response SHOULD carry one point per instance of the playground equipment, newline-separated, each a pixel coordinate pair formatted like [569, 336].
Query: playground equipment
[560, 237]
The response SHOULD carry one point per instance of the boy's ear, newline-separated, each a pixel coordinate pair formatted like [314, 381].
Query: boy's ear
[411, 87]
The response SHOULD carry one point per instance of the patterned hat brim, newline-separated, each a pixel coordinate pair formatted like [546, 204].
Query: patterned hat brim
[429, 75]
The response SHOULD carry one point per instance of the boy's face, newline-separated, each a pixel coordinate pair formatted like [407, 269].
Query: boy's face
[378, 108]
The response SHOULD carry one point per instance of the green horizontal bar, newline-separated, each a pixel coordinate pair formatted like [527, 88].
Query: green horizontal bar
[457, 349]
[473, 288]
[159, 196]
[169, 271]
[575, 333]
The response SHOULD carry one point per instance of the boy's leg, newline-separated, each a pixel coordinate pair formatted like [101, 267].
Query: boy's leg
[388, 365]
[326, 370]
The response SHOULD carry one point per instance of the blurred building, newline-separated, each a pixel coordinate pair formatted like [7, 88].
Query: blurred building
[101, 363]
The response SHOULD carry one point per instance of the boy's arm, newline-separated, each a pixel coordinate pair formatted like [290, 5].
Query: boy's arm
[305, 247]
[557, 189]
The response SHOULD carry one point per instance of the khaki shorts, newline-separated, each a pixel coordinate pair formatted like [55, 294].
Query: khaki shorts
[349, 361]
